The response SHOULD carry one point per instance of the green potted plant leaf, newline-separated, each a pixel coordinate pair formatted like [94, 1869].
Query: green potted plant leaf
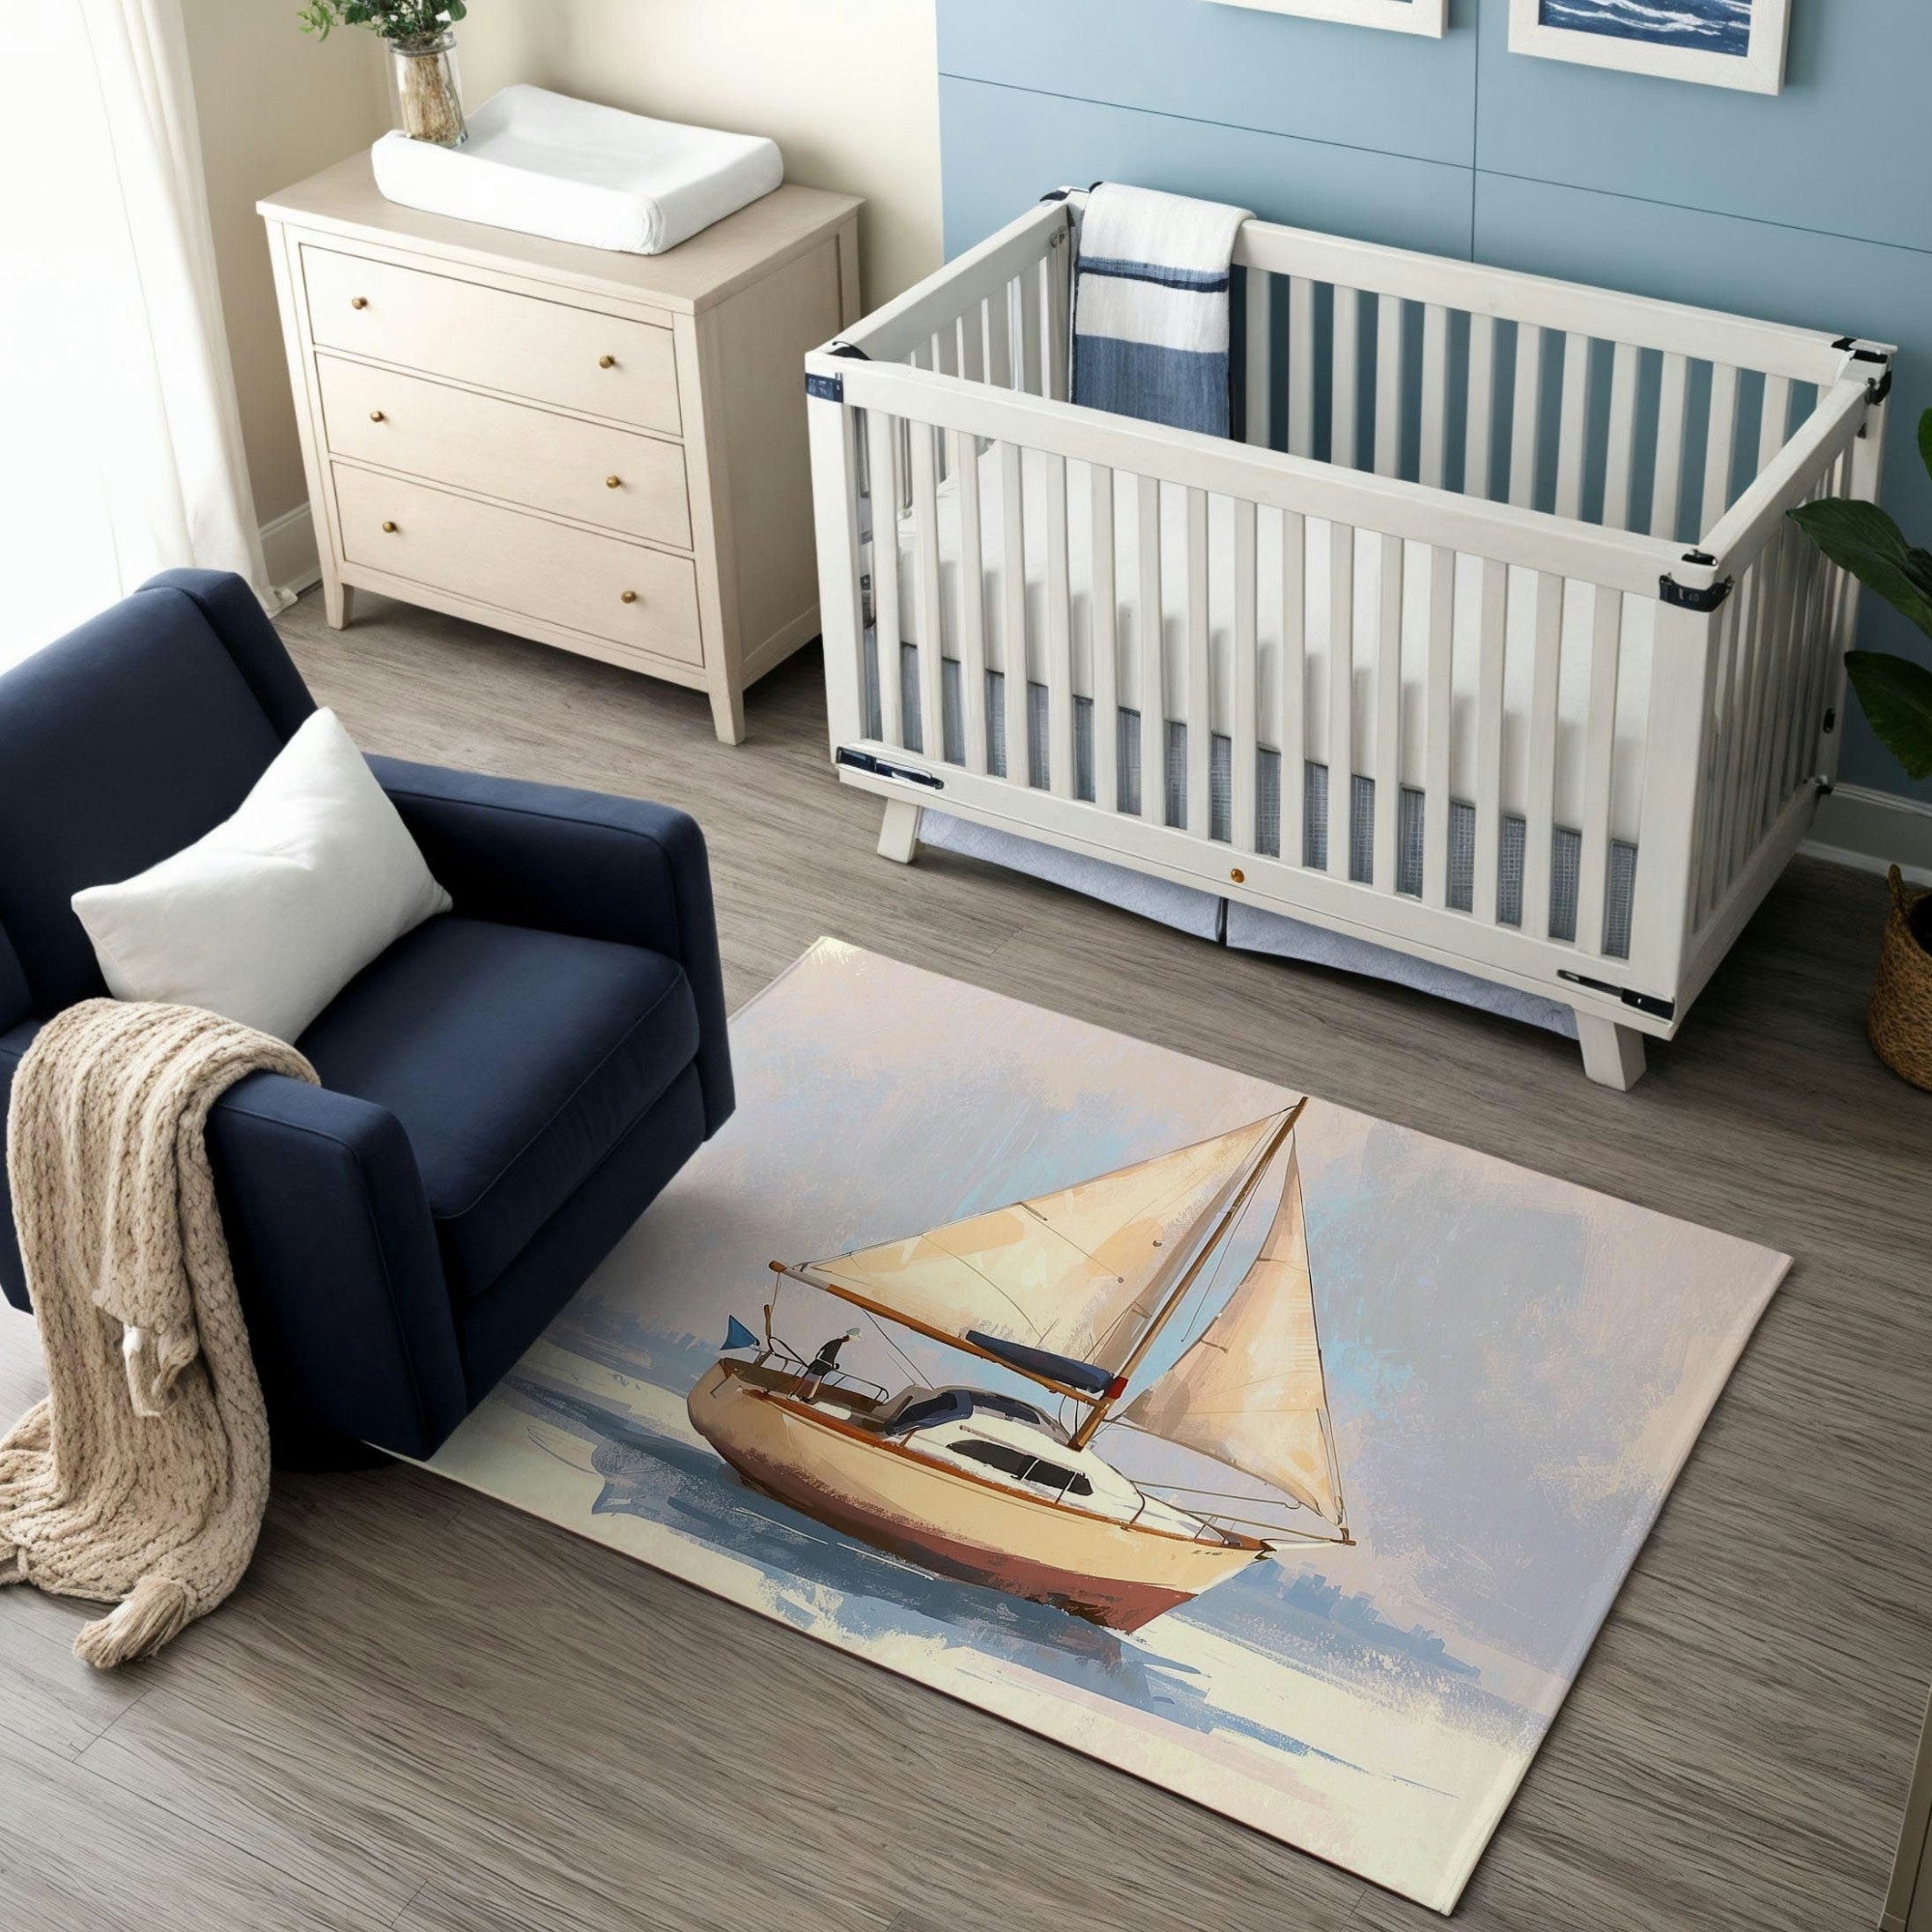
[422, 51]
[1896, 695]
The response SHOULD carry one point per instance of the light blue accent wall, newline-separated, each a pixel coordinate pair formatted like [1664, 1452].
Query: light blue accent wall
[1811, 207]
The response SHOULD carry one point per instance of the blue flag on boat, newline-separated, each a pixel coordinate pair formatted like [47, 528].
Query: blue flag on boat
[738, 1336]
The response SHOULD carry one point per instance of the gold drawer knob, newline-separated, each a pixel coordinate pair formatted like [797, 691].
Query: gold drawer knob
[607, 361]
[1239, 876]
[388, 528]
[612, 482]
[629, 597]
[377, 416]
[358, 301]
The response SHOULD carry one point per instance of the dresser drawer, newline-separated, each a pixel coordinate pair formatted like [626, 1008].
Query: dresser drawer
[624, 481]
[521, 563]
[549, 351]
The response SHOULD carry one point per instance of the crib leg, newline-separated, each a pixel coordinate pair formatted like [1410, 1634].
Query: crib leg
[1612, 1054]
[898, 834]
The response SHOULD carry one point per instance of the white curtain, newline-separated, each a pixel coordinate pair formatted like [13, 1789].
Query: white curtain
[120, 441]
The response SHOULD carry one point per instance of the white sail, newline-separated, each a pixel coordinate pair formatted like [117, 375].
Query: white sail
[1250, 1390]
[1078, 1273]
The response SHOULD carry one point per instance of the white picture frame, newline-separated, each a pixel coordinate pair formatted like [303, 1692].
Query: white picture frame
[1760, 69]
[1430, 18]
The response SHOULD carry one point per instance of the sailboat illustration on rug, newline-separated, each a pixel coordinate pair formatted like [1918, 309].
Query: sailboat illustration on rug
[1069, 1290]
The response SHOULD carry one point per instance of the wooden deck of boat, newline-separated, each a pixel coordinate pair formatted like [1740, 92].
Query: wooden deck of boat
[426, 1712]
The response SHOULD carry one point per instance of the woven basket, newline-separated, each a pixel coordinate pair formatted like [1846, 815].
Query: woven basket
[1900, 1020]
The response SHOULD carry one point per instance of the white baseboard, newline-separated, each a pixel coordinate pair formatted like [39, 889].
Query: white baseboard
[289, 548]
[1873, 830]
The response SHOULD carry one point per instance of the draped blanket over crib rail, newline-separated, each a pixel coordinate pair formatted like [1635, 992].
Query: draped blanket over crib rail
[1486, 638]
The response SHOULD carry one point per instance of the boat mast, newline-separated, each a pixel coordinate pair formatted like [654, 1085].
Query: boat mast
[1097, 1413]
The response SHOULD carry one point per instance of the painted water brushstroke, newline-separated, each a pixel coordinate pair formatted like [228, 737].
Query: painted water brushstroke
[1517, 1369]
[1705, 26]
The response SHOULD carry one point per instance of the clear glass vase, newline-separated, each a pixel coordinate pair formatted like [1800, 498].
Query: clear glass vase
[428, 94]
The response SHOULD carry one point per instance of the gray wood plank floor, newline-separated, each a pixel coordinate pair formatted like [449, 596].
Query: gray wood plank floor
[427, 1711]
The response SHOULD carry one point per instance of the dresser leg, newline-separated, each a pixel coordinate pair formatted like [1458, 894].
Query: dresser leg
[727, 715]
[338, 603]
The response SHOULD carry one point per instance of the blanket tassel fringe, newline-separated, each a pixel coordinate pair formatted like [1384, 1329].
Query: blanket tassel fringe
[158, 1608]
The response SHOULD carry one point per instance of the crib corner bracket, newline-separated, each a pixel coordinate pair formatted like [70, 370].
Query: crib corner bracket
[880, 768]
[1642, 1003]
[1694, 596]
[832, 388]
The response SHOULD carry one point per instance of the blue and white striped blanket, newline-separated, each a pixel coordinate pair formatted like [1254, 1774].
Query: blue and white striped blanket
[1151, 306]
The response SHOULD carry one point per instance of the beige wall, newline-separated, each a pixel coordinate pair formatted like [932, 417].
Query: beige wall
[274, 106]
[848, 88]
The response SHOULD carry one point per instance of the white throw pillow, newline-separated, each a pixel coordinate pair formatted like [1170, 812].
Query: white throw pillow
[266, 918]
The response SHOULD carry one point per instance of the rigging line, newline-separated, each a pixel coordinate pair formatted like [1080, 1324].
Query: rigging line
[910, 1367]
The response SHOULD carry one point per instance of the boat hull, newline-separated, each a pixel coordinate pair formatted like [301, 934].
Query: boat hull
[1112, 1574]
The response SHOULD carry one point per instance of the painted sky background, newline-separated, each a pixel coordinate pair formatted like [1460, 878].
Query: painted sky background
[1516, 1366]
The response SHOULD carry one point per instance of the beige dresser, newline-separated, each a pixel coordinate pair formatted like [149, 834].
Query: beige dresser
[604, 452]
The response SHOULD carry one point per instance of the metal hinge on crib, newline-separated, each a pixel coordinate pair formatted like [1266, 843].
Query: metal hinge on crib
[865, 761]
[1692, 597]
[832, 388]
[1642, 1002]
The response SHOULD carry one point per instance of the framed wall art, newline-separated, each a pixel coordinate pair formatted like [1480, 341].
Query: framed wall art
[1718, 43]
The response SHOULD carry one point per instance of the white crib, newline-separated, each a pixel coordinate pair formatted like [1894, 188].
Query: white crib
[1500, 644]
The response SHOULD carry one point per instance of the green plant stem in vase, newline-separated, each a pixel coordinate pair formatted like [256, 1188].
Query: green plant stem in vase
[422, 51]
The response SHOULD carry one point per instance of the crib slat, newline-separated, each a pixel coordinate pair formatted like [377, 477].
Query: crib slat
[996, 319]
[1300, 366]
[925, 594]
[1014, 614]
[1599, 755]
[1103, 641]
[1150, 630]
[1539, 807]
[973, 344]
[1745, 598]
[1668, 485]
[1738, 828]
[1572, 426]
[972, 631]
[1200, 685]
[1388, 385]
[1724, 424]
[1493, 640]
[1620, 459]
[1027, 368]
[1344, 368]
[1773, 421]
[1059, 635]
[1053, 319]
[1247, 681]
[1795, 585]
[1477, 434]
[1388, 718]
[1291, 725]
[1341, 693]
[1439, 723]
[881, 440]
[1526, 410]
[1434, 394]
[1257, 410]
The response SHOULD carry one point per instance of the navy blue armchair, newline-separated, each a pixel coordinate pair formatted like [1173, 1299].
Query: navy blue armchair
[503, 1092]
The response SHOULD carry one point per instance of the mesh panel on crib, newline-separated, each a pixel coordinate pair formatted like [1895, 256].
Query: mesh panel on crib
[1566, 844]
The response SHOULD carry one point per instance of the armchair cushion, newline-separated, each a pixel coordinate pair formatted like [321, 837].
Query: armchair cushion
[516, 1060]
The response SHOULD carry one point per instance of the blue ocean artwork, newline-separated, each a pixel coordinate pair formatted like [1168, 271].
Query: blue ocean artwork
[1705, 26]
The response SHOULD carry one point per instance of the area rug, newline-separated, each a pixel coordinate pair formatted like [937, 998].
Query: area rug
[1285, 1457]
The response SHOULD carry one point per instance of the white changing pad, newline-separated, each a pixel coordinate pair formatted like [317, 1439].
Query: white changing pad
[1574, 683]
[545, 164]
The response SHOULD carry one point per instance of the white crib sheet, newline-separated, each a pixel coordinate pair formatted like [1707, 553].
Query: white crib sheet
[1574, 682]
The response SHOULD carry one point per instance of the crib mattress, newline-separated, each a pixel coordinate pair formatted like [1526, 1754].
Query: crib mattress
[1319, 653]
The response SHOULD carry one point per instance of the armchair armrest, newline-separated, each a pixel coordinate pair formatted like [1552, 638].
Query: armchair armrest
[576, 861]
[336, 1260]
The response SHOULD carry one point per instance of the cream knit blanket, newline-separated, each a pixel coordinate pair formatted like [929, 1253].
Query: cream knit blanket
[141, 1478]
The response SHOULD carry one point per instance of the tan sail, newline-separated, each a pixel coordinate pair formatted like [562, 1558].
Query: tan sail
[1250, 1391]
[1079, 1272]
